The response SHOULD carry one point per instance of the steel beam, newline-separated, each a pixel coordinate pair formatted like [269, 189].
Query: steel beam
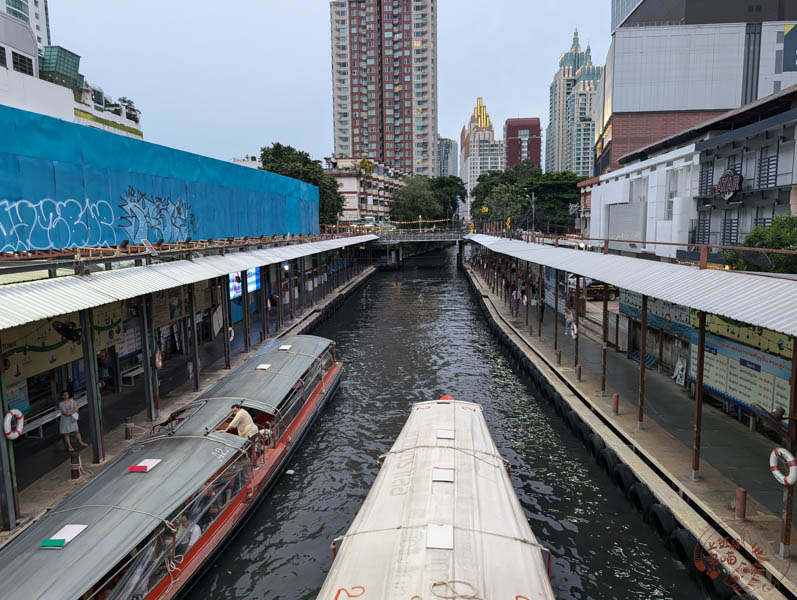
[146, 359]
[701, 352]
[245, 306]
[9, 503]
[194, 335]
[92, 385]
[642, 355]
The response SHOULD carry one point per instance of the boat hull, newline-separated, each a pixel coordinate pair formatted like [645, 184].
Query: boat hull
[243, 506]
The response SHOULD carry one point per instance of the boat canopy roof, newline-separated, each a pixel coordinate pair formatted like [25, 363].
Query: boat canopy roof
[442, 518]
[264, 389]
[120, 509]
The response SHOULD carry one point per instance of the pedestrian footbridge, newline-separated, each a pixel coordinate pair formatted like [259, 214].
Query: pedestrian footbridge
[405, 235]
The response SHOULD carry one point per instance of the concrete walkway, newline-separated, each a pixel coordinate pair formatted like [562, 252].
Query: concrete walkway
[51, 480]
[731, 456]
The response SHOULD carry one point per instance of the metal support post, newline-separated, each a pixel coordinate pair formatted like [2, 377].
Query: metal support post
[280, 316]
[528, 291]
[575, 321]
[541, 301]
[247, 315]
[291, 296]
[194, 335]
[146, 359]
[263, 303]
[303, 283]
[788, 492]
[225, 313]
[642, 355]
[605, 322]
[701, 352]
[9, 497]
[556, 309]
[92, 385]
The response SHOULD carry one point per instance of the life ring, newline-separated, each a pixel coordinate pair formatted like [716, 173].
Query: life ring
[231, 333]
[158, 359]
[16, 417]
[791, 479]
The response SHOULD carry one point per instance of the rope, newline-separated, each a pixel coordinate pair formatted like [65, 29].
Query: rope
[170, 526]
[450, 585]
[472, 453]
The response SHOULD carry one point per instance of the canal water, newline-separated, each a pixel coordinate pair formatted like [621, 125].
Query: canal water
[412, 336]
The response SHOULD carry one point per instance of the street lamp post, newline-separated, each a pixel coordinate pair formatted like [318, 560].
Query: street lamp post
[419, 223]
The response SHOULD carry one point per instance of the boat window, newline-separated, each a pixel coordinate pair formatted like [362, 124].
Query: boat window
[158, 556]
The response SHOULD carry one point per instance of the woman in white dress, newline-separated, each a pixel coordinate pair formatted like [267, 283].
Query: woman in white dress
[68, 423]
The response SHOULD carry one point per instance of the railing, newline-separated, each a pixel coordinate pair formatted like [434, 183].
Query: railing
[408, 235]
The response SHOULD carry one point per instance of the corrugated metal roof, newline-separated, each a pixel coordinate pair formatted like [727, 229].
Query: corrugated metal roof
[22, 303]
[767, 302]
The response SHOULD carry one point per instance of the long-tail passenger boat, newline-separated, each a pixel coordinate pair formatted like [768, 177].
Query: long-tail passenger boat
[442, 519]
[149, 523]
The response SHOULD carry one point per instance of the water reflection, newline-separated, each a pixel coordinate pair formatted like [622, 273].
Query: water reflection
[413, 336]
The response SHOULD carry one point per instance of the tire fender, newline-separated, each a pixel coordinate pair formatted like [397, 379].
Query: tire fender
[683, 544]
[642, 499]
[584, 431]
[573, 421]
[595, 445]
[663, 522]
[607, 458]
[624, 478]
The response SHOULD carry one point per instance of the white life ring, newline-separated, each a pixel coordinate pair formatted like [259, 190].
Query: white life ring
[231, 333]
[791, 479]
[13, 414]
[575, 329]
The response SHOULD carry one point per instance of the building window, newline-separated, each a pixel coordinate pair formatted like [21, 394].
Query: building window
[706, 179]
[22, 64]
[3, 57]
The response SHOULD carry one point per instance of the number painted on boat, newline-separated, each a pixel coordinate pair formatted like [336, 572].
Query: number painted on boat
[425, 407]
[474, 410]
[350, 593]
[221, 453]
[522, 598]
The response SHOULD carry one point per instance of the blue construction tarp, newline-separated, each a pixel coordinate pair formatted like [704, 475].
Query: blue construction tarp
[64, 185]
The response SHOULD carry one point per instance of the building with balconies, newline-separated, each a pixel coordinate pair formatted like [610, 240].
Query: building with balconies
[367, 188]
[710, 184]
[384, 82]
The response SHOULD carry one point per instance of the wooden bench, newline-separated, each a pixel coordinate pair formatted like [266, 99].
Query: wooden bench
[131, 374]
[41, 419]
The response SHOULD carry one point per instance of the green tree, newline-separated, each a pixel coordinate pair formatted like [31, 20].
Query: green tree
[413, 199]
[505, 200]
[448, 191]
[782, 235]
[554, 193]
[288, 161]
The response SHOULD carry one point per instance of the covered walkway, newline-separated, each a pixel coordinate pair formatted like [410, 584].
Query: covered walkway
[203, 297]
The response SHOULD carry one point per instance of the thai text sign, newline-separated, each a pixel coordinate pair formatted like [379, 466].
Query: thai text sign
[742, 374]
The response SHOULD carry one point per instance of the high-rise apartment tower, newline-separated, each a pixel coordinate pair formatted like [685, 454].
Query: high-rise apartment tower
[447, 157]
[481, 152]
[522, 141]
[384, 82]
[35, 14]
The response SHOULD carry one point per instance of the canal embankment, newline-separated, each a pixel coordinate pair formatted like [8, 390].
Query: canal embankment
[695, 519]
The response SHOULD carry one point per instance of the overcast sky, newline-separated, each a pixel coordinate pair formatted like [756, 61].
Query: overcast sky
[226, 78]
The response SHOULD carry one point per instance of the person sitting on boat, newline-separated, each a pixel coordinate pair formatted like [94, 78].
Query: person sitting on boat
[242, 422]
[188, 533]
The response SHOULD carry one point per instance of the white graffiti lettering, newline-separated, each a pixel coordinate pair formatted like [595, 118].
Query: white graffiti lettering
[153, 217]
[50, 224]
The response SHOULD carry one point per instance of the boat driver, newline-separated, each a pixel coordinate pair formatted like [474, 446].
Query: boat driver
[242, 422]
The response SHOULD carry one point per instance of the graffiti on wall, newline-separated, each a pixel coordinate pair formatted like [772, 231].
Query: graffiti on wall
[154, 218]
[47, 224]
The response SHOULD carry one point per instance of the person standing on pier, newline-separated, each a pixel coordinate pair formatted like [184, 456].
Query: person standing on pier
[568, 321]
[68, 423]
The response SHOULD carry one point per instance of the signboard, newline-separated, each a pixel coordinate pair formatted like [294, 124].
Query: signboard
[252, 282]
[168, 306]
[790, 48]
[769, 341]
[742, 374]
[669, 317]
[17, 396]
[730, 182]
[37, 347]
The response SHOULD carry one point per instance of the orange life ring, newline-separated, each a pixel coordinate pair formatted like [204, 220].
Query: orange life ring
[13, 423]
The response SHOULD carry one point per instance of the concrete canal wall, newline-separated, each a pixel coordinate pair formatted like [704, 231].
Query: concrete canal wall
[683, 524]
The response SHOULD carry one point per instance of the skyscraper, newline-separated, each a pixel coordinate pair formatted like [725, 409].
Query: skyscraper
[35, 14]
[579, 157]
[384, 81]
[447, 158]
[522, 141]
[481, 152]
[563, 82]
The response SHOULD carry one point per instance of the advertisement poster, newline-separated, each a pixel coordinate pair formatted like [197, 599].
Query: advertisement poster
[742, 374]
[763, 339]
[669, 317]
[252, 281]
[37, 347]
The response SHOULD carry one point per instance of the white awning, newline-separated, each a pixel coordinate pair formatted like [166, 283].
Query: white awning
[22, 303]
[768, 302]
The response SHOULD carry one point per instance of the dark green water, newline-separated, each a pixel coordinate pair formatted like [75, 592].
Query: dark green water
[413, 336]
